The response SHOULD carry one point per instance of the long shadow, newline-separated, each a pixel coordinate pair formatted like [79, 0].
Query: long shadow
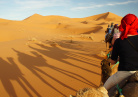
[75, 45]
[65, 44]
[53, 53]
[92, 55]
[10, 71]
[32, 63]
[65, 72]
[98, 57]
[82, 46]
[68, 73]
[73, 56]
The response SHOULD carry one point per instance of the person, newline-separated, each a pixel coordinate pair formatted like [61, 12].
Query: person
[115, 29]
[128, 56]
[108, 29]
[116, 34]
[112, 26]
[108, 36]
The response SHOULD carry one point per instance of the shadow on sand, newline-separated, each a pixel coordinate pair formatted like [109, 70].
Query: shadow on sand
[10, 71]
[33, 63]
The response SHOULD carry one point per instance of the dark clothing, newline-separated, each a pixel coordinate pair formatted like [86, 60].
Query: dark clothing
[128, 56]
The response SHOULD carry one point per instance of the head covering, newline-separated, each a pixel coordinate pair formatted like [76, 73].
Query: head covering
[116, 26]
[129, 25]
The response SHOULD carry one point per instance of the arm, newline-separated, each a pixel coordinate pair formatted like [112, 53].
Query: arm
[115, 53]
[113, 62]
[113, 40]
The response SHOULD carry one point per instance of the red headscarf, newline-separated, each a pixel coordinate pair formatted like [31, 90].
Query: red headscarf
[129, 25]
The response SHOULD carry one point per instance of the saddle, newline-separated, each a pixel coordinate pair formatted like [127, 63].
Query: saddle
[129, 87]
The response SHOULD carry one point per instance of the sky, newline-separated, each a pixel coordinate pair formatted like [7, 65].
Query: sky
[21, 9]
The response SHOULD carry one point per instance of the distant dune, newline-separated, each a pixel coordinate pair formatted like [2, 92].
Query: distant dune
[106, 16]
[52, 56]
[38, 24]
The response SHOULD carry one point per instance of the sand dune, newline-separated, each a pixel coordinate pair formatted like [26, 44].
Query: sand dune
[36, 18]
[105, 16]
[51, 56]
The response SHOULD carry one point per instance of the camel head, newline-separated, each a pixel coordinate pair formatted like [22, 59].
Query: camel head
[105, 62]
[106, 70]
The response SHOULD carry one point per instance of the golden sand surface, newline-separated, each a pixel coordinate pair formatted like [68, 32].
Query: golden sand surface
[52, 56]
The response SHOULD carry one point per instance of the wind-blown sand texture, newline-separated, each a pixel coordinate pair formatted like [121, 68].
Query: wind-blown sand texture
[51, 56]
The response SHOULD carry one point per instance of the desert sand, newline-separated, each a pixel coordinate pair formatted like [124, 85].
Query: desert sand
[52, 56]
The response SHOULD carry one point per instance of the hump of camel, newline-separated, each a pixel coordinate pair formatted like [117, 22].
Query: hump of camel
[92, 92]
[129, 87]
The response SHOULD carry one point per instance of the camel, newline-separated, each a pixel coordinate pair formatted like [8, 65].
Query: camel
[129, 85]
[92, 92]
[100, 91]
[107, 68]
[106, 71]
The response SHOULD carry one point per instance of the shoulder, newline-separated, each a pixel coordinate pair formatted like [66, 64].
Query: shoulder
[117, 41]
[135, 37]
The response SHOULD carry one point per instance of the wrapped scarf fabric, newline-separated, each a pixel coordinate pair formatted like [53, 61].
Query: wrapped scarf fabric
[129, 25]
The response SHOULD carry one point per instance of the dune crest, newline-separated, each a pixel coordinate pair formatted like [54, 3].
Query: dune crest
[34, 16]
[108, 16]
